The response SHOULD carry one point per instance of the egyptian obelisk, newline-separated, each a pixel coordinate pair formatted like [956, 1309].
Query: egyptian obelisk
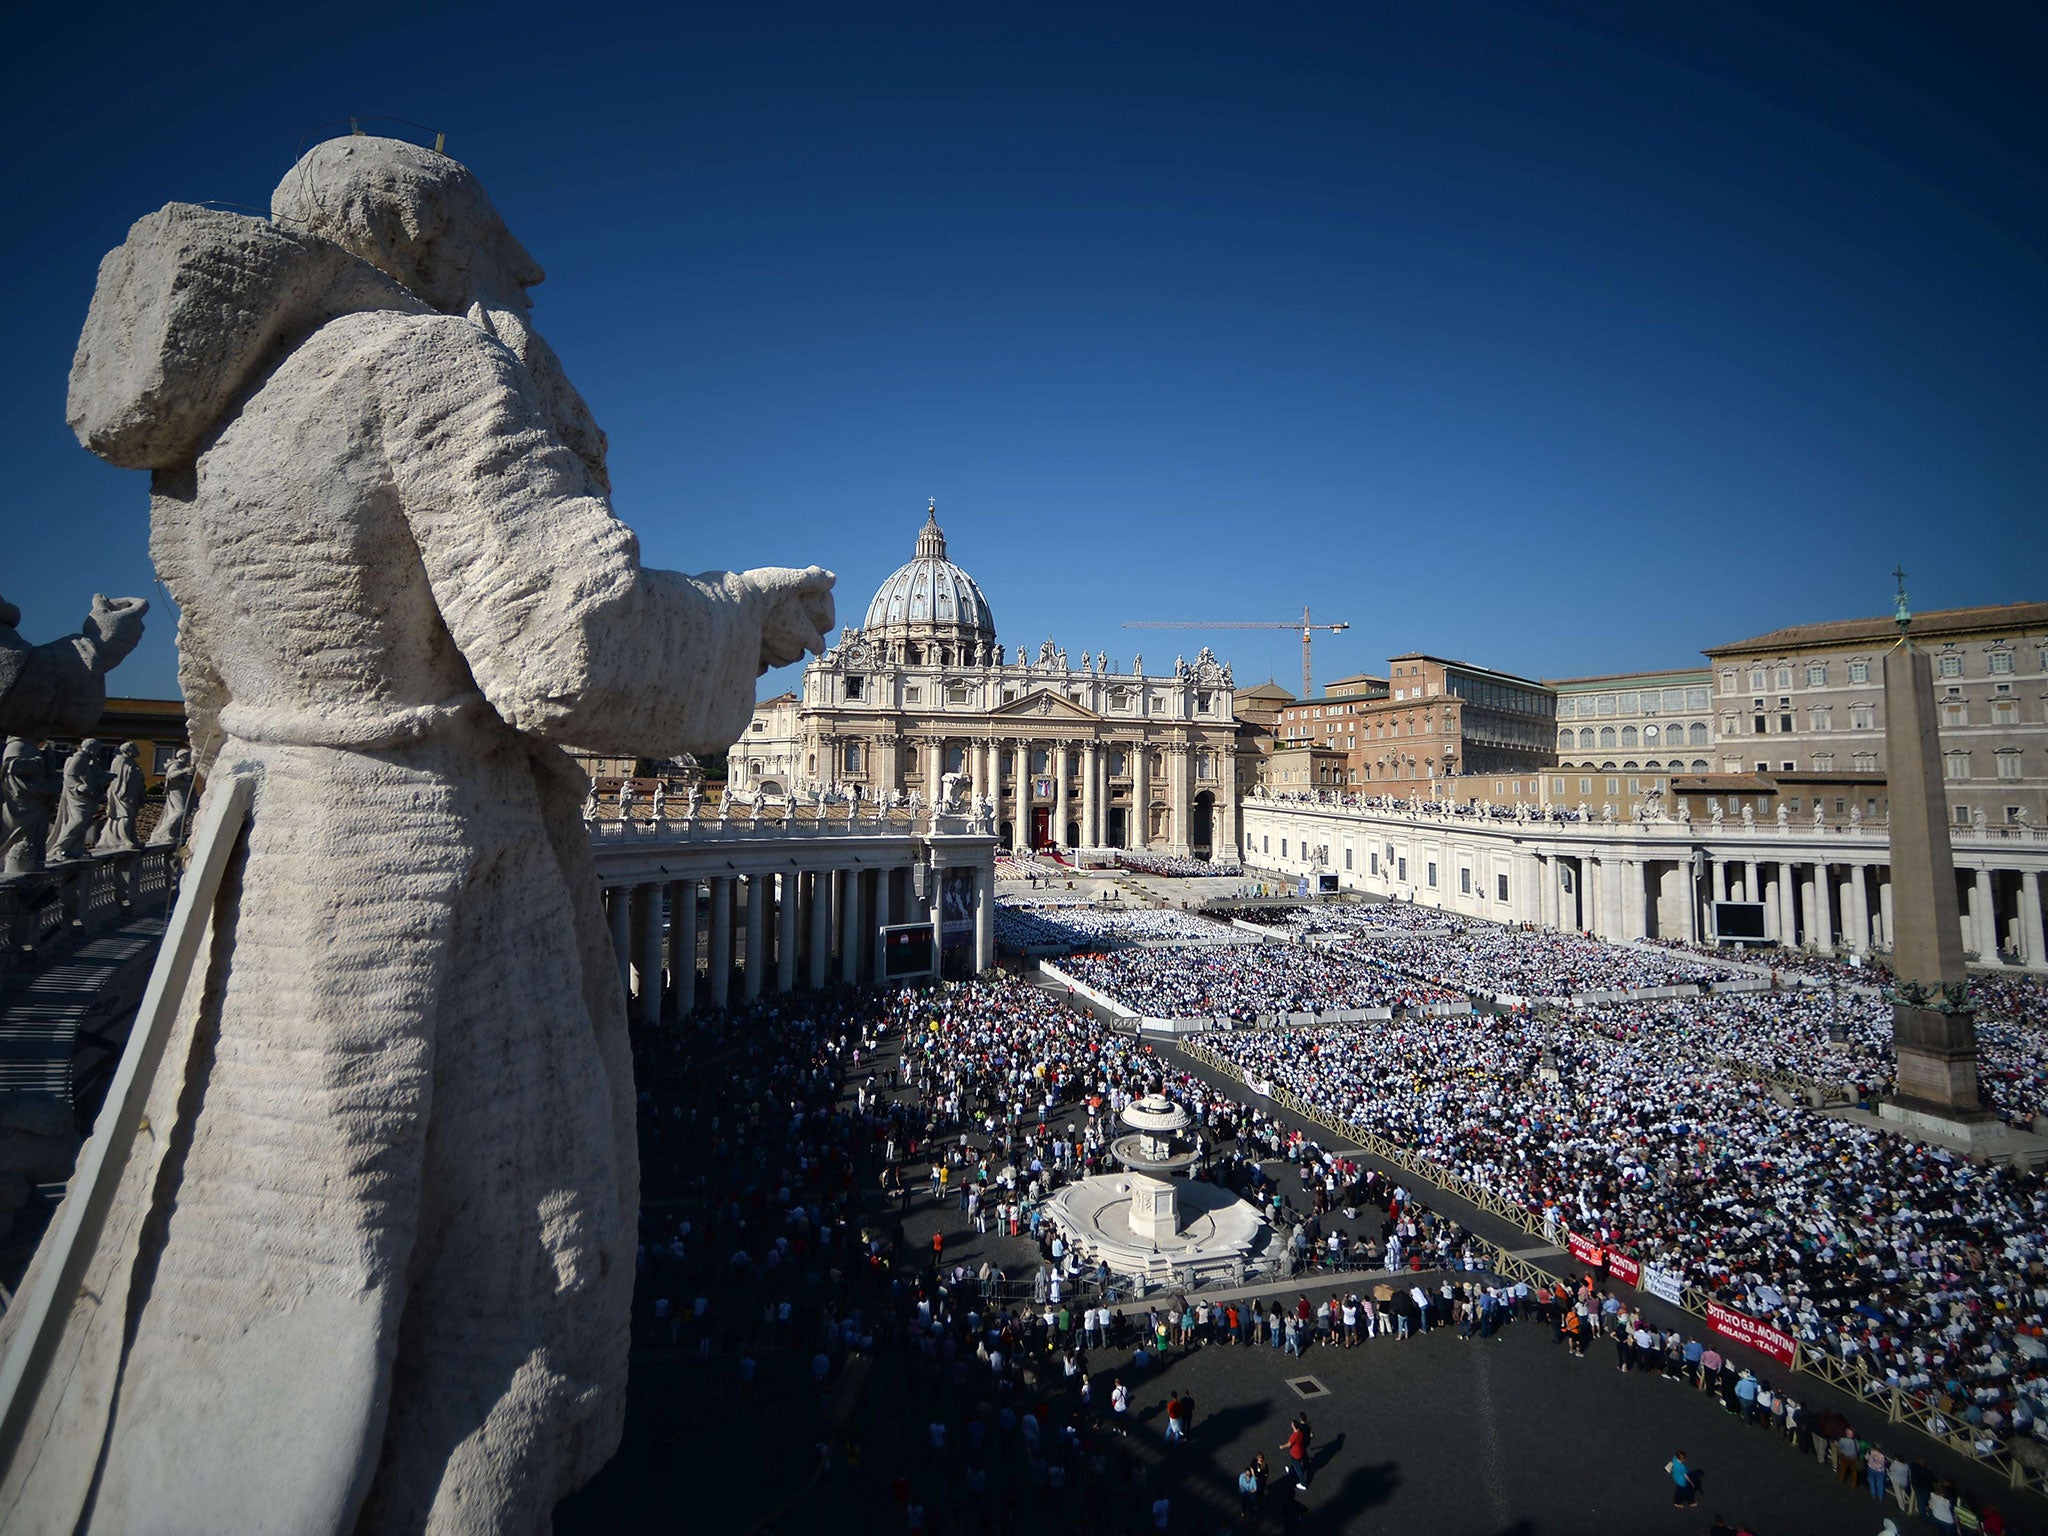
[1934, 1030]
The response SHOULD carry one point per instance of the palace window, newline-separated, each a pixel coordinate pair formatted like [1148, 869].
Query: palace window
[1862, 717]
[2004, 712]
[854, 686]
[852, 757]
[2009, 763]
[1949, 665]
[1823, 762]
[2001, 663]
[1696, 733]
[1606, 735]
[1864, 762]
[956, 694]
[1464, 881]
[1628, 735]
[1817, 676]
[1432, 874]
[1784, 677]
[1954, 712]
[1859, 671]
[1727, 679]
[1500, 887]
[1955, 765]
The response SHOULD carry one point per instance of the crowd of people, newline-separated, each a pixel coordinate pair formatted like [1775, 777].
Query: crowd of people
[1177, 867]
[1068, 927]
[1494, 959]
[1930, 1270]
[1250, 983]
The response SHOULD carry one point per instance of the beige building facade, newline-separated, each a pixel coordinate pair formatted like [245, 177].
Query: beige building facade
[1810, 699]
[1065, 751]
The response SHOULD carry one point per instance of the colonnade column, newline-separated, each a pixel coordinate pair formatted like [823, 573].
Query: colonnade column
[882, 917]
[1788, 908]
[787, 907]
[1823, 910]
[1060, 768]
[1720, 880]
[849, 926]
[619, 911]
[1984, 920]
[683, 945]
[1752, 881]
[1634, 895]
[2033, 943]
[1858, 918]
[1091, 803]
[647, 960]
[720, 959]
[818, 886]
[1884, 911]
[1020, 830]
[757, 936]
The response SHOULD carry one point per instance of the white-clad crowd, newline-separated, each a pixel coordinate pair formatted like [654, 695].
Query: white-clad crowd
[1072, 927]
[1248, 983]
[1535, 962]
[1932, 1270]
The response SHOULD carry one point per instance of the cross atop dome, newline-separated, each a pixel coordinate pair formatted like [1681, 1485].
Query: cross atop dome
[931, 538]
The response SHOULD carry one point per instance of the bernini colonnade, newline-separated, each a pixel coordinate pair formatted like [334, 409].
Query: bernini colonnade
[1827, 889]
[798, 900]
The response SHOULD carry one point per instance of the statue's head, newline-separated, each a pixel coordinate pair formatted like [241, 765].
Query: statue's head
[410, 212]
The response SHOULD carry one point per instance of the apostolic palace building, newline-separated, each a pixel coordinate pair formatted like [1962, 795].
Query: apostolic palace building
[1065, 750]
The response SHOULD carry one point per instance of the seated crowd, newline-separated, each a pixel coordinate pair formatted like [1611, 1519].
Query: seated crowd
[1071, 927]
[1534, 962]
[1925, 1267]
[1248, 983]
[1176, 866]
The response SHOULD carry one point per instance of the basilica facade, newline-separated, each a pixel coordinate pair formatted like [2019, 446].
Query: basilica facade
[1065, 751]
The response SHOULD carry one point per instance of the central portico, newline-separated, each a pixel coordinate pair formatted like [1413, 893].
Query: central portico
[1074, 752]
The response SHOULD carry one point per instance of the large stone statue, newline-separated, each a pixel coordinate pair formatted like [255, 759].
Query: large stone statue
[28, 802]
[60, 689]
[124, 800]
[176, 816]
[83, 800]
[371, 1269]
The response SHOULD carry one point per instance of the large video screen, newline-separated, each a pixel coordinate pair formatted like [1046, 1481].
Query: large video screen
[1742, 920]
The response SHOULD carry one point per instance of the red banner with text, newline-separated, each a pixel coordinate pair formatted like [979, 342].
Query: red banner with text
[1619, 1265]
[1744, 1329]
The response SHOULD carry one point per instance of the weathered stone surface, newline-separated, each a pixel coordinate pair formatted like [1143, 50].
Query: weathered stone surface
[385, 1211]
[59, 689]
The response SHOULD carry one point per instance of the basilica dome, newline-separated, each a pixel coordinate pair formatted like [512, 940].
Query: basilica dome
[930, 593]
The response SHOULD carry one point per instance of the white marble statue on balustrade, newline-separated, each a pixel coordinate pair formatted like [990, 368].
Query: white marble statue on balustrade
[1979, 821]
[1607, 812]
[627, 795]
[1784, 818]
[657, 809]
[385, 1281]
[1717, 814]
[175, 818]
[1684, 813]
[1855, 818]
[29, 789]
[590, 806]
[1820, 817]
[125, 785]
[1749, 818]
[59, 688]
[83, 800]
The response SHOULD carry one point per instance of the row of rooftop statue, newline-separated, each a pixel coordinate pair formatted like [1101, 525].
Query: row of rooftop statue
[92, 801]
[369, 1267]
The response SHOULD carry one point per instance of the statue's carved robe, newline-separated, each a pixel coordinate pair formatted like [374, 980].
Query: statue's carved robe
[370, 1267]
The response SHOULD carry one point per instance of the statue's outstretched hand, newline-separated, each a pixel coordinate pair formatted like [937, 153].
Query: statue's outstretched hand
[115, 627]
[796, 611]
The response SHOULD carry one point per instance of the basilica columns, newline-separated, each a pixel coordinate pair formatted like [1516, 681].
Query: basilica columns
[1059, 760]
[1020, 838]
[1140, 834]
[647, 953]
[1091, 791]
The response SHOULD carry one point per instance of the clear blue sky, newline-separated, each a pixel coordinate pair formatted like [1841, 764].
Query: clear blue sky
[1564, 340]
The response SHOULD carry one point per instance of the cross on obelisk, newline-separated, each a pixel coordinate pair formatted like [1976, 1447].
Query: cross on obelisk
[1934, 1031]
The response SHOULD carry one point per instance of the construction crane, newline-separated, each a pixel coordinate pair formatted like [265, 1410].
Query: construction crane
[1306, 628]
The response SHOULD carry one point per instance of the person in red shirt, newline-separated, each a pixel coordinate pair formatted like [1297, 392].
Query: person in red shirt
[1296, 1446]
